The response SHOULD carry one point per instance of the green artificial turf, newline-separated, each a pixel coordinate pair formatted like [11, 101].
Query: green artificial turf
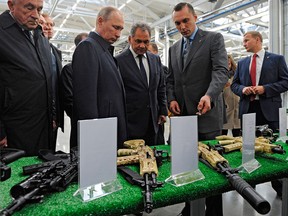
[130, 199]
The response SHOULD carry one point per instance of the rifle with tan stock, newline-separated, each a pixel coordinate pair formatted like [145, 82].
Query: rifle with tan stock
[262, 145]
[137, 152]
[213, 159]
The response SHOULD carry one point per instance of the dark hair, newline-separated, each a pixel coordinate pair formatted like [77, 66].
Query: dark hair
[181, 5]
[142, 26]
[79, 38]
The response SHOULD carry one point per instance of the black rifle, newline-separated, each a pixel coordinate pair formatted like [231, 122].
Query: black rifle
[148, 182]
[8, 155]
[54, 178]
[213, 159]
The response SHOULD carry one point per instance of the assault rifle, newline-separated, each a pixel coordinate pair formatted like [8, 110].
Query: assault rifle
[53, 178]
[213, 159]
[8, 155]
[262, 145]
[146, 157]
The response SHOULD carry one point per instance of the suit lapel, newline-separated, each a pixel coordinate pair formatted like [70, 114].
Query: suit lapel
[152, 68]
[196, 44]
[264, 66]
[247, 76]
[136, 70]
[178, 54]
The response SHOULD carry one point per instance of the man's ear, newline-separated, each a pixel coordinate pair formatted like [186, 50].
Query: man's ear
[11, 5]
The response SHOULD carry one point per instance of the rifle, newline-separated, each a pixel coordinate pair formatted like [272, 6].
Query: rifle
[262, 145]
[8, 155]
[145, 156]
[53, 178]
[213, 159]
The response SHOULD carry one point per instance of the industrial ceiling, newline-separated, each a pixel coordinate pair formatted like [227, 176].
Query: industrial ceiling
[231, 18]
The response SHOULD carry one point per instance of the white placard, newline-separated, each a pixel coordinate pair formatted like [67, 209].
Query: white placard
[248, 134]
[97, 144]
[184, 144]
[282, 122]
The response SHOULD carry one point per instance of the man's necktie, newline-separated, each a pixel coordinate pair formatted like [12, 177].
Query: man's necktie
[29, 35]
[253, 70]
[142, 68]
[186, 50]
[253, 74]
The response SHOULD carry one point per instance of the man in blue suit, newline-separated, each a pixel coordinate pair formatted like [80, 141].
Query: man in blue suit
[264, 97]
[144, 86]
[261, 96]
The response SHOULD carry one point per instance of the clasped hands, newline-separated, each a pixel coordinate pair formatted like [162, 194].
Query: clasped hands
[253, 90]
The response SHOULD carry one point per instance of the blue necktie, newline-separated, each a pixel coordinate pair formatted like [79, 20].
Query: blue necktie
[186, 50]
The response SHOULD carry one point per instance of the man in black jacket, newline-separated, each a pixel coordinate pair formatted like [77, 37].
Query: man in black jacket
[25, 78]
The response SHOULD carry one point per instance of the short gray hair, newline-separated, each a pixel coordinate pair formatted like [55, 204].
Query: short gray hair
[142, 26]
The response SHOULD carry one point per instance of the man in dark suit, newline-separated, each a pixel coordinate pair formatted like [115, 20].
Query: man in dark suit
[145, 89]
[197, 75]
[56, 58]
[25, 78]
[263, 94]
[98, 90]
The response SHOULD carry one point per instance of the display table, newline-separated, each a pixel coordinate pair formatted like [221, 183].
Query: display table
[129, 199]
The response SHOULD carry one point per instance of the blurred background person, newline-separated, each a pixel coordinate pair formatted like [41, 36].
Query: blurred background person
[231, 103]
[153, 48]
[56, 58]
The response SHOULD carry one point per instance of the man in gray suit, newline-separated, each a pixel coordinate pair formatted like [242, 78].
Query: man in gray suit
[145, 93]
[197, 75]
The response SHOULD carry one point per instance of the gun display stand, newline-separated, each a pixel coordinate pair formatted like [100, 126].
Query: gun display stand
[97, 191]
[184, 151]
[97, 163]
[185, 178]
[282, 126]
[249, 163]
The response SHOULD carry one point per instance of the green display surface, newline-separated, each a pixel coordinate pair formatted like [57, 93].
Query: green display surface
[130, 200]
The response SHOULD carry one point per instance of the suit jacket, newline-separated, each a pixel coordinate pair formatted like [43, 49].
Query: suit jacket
[141, 99]
[98, 90]
[25, 87]
[67, 89]
[274, 78]
[205, 72]
[58, 100]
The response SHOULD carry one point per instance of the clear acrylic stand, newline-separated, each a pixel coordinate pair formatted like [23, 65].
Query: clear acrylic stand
[185, 178]
[184, 150]
[249, 163]
[97, 191]
[250, 166]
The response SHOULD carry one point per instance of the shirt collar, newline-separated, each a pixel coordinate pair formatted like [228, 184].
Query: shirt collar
[192, 36]
[261, 53]
[135, 55]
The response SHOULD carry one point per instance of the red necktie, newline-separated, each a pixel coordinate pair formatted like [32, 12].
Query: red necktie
[253, 70]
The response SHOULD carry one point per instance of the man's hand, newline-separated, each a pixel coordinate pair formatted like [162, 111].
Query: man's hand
[174, 107]
[204, 105]
[161, 119]
[248, 90]
[3, 142]
[259, 90]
